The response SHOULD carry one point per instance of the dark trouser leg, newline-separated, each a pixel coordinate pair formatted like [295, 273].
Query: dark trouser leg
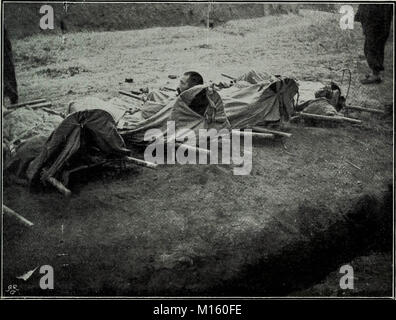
[382, 54]
[383, 38]
[374, 52]
[10, 92]
[10, 84]
[374, 45]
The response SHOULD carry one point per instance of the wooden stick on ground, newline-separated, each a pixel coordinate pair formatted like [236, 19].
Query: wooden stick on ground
[365, 109]
[353, 165]
[265, 130]
[330, 118]
[35, 106]
[21, 219]
[227, 76]
[27, 103]
[59, 186]
[192, 148]
[253, 134]
[41, 105]
[53, 112]
[131, 95]
[169, 89]
[140, 162]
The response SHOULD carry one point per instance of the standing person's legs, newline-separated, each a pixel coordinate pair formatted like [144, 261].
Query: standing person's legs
[381, 53]
[10, 84]
[373, 50]
[384, 37]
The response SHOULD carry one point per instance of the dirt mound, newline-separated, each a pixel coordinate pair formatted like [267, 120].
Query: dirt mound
[23, 19]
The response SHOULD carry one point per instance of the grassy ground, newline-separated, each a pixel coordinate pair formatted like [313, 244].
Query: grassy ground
[189, 229]
[22, 19]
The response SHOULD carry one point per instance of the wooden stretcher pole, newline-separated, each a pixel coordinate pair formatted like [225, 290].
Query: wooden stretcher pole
[41, 105]
[59, 186]
[140, 162]
[227, 76]
[53, 112]
[192, 148]
[130, 95]
[21, 219]
[329, 118]
[35, 106]
[253, 134]
[278, 133]
[27, 103]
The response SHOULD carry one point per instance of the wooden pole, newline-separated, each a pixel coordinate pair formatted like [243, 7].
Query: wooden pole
[21, 219]
[36, 106]
[365, 109]
[41, 105]
[131, 95]
[253, 134]
[227, 76]
[192, 148]
[169, 89]
[53, 112]
[329, 118]
[140, 162]
[59, 186]
[265, 130]
[27, 103]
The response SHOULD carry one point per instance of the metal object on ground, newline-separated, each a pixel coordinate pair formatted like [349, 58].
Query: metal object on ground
[349, 82]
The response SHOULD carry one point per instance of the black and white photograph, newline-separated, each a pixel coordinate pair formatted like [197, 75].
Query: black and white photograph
[197, 149]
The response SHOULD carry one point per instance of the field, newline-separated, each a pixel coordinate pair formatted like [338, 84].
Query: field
[285, 229]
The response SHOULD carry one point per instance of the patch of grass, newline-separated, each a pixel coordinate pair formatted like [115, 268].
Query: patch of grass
[62, 72]
[35, 60]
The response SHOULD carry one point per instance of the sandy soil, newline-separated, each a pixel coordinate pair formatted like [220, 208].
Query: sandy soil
[187, 229]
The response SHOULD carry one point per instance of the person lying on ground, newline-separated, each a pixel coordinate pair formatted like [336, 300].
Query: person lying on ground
[188, 80]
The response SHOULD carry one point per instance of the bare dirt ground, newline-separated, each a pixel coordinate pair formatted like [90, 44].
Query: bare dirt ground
[195, 229]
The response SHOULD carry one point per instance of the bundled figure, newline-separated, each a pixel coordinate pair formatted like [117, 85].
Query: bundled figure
[376, 20]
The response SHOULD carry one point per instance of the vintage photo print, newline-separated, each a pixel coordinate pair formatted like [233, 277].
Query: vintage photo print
[197, 149]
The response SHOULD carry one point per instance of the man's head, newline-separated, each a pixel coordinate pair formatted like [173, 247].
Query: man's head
[188, 80]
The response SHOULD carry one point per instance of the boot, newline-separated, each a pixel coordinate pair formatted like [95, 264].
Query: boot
[371, 79]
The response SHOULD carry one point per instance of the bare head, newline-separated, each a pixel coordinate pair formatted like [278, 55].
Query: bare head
[189, 80]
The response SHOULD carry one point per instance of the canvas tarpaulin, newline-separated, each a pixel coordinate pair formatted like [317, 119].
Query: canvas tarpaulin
[24, 133]
[177, 109]
[266, 100]
[105, 125]
[259, 103]
[85, 130]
